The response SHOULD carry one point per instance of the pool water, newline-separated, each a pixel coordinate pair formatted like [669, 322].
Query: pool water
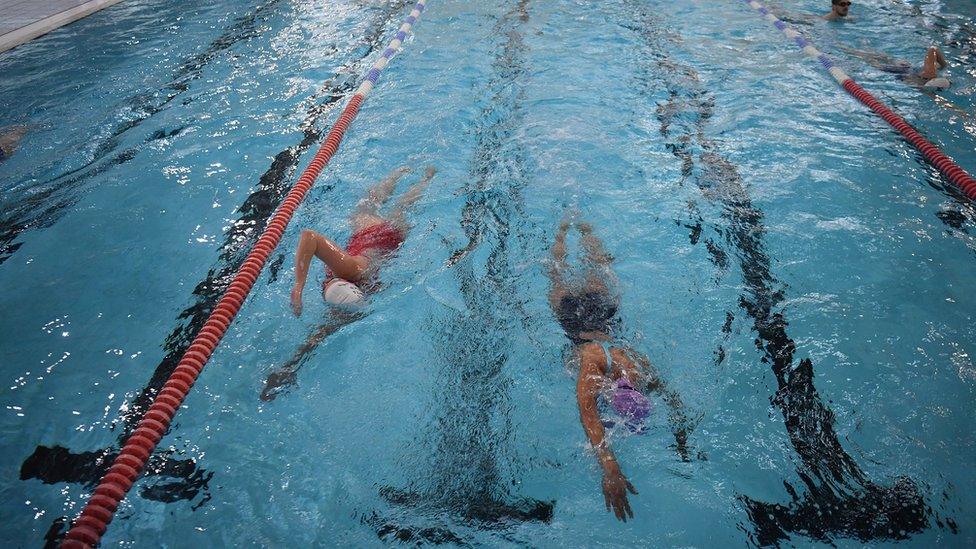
[792, 268]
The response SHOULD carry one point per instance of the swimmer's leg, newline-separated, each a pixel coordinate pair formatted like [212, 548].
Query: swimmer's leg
[599, 275]
[878, 60]
[367, 211]
[398, 217]
[558, 266]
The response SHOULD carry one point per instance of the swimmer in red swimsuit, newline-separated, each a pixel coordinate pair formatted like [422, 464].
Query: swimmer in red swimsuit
[373, 237]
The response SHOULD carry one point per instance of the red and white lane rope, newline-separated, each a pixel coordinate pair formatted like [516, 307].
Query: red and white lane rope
[930, 152]
[89, 527]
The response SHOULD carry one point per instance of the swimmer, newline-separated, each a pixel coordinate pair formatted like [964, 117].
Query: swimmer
[351, 271]
[373, 238]
[925, 76]
[838, 10]
[618, 377]
[10, 138]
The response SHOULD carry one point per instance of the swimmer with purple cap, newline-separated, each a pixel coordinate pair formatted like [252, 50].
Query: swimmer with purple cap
[612, 376]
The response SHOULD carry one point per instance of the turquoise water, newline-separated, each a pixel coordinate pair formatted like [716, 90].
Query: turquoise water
[792, 268]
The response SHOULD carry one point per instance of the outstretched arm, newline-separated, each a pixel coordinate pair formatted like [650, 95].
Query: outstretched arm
[593, 364]
[285, 376]
[680, 424]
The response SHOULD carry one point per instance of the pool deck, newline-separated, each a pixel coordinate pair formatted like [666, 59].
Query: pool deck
[24, 20]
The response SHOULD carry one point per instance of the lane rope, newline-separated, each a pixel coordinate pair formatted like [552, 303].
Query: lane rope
[93, 521]
[953, 172]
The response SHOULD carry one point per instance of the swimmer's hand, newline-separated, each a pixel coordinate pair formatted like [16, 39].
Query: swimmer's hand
[430, 172]
[615, 487]
[296, 300]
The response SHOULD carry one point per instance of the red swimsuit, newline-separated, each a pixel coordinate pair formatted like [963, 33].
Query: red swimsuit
[382, 236]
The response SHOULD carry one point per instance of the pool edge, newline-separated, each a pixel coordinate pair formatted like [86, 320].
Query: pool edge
[43, 26]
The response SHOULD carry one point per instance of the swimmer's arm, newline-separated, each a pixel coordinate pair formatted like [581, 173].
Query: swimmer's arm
[948, 105]
[313, 341]
[587, 390]
[303, 259]
[679, 422]
[615, 484]
[680, 425]
[286, 374]
[314, 244]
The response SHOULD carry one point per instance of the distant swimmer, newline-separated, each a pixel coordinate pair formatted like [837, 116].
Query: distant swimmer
[350, 272]
[614, 379]
[838, 10]
[10, 138]
[925, 76]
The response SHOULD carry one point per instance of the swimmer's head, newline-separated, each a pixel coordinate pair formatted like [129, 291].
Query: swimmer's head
[629, 403]
[840, 7]
[938, 83]
[342, 293]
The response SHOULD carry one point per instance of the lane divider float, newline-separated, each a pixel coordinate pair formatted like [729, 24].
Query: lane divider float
[953, 172]
[91, 524]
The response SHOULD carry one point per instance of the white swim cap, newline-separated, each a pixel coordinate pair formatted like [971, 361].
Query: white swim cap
[343, 293]
[938, 83]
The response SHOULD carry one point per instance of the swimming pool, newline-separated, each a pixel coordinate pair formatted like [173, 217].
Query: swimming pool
[795, 271]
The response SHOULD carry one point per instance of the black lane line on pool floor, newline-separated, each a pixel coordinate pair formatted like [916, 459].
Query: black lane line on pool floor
[51, 199]
[464, 482]
[58, 464]
[840, 499]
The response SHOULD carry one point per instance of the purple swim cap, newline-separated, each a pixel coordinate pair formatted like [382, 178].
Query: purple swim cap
[629, 403]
